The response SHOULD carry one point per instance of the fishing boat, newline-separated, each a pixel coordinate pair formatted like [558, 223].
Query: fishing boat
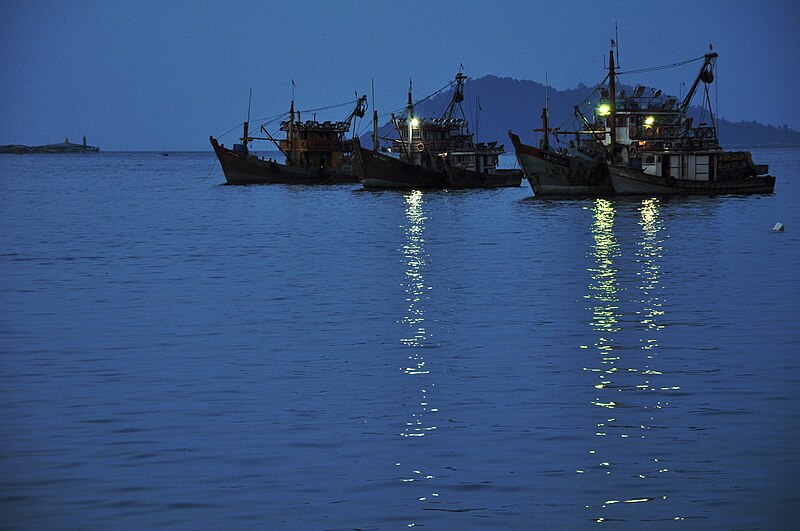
[641, 143]
[438, 153]
[566, 173]
[477, 168]
[314, 152]
[662, 152]
[580, 170]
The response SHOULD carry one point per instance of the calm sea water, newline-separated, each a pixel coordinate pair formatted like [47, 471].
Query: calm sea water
[179, 353]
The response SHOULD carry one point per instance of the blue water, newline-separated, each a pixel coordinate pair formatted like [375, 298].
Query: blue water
[179, 353]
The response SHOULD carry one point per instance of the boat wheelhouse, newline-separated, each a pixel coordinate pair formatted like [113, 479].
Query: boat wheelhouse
[313, 144]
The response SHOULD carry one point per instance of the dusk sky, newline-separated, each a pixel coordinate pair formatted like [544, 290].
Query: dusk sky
[166, 75]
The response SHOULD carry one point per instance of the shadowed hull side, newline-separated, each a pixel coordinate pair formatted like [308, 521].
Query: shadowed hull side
[553, 174]
[243, 168]
[377, 171]
[461, 178]
[629, 181]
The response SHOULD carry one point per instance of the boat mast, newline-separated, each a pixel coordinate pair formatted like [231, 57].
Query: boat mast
[477, 115]
[546, 114]
[245, 137]
[291, 127]
[409, 117]
[374, 121]
[612, 89]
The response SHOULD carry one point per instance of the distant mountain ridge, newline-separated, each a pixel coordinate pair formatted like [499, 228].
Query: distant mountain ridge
[508, 103]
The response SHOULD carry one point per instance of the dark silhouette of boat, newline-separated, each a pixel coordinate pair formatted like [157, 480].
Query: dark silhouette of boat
[642, 143]
[315, 153]
[434, 153]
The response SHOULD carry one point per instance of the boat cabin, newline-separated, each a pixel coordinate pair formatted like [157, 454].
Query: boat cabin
[693, 166]
[313, 144]
[482, 158]
[422, 136]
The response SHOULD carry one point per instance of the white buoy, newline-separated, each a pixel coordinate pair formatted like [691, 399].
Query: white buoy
[778, 227]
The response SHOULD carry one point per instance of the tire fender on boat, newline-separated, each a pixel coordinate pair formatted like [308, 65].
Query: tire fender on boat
[420, 147]
[632, 151]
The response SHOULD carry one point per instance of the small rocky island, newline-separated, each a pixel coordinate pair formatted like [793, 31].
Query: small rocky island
[65, 147]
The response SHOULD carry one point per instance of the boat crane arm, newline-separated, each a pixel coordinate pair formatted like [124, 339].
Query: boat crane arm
[359, 110]
[701, 76]
[591, 130]
[397, 127]
[458, 96]
[264, 130]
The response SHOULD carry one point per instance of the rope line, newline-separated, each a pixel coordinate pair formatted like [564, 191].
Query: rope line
[662, 67]
[213, 164]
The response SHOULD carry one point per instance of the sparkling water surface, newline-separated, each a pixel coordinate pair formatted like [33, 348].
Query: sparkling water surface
[180, 353]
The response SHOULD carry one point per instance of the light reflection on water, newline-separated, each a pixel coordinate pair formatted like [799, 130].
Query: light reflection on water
[415, 288]
[626, 354]
[413, 250]
[416, 336]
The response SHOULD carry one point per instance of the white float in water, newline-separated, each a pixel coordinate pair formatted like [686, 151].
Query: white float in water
[778, 227]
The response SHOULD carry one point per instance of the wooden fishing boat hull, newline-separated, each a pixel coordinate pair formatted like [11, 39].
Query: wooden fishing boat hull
[631, 181]
[244, 168]
[462, 178]
[378, 171]
[554, 174]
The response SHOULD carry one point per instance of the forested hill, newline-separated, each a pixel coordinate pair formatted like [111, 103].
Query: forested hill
[514, 104]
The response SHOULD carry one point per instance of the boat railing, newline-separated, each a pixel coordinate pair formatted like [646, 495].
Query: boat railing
[317, 145]
[671, 132]
[311, 125]
[434, 146]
